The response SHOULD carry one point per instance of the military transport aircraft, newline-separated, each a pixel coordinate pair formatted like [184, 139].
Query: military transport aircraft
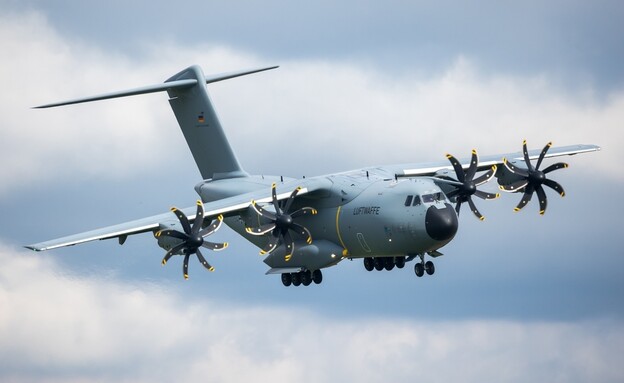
[385, 215]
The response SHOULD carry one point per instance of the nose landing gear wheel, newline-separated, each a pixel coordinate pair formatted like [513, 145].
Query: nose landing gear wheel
[429, 268]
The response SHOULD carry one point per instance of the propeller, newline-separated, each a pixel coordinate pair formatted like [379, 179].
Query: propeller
[533, 179]
[192, 238]
[281, 223]
[468, 184]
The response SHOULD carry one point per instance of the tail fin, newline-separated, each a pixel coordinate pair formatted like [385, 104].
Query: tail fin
[197, 118]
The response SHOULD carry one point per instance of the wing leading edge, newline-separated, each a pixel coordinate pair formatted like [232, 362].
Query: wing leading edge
[226, 206]
[430, 169]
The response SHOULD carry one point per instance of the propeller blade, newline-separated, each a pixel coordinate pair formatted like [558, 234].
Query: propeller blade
[185, 265]
[261, 230]
[290, 245]
[270, 246]
[262, 212]
[274, 199]
[555, 186]
[457, 207]
[302, 231]
[543, 201]
[557, 166]
[474, 162]
[304, 211]
[203, 261]
[172, 252]
[486, 195]
[525, 199]
[514, 187]
[514, 169]
[474, 209]
[291, 198]
[459, 170]
[543, 154]
[215, 246]
[485, 177]
[452, 194]
[186, 226]
[172, 233]
[214, 226]
[199, 218]
[527, 160]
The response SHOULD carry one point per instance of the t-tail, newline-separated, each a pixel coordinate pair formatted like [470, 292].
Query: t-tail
[196, 116]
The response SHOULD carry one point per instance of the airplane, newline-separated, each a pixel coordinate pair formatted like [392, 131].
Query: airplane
[385, 215]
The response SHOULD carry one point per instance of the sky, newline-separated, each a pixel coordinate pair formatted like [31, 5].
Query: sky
[517, 297]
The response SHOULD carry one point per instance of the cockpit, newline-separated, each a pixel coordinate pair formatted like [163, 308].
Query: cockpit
[430, 198]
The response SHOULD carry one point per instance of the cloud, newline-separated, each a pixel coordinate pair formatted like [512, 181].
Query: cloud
[340, 114]
[60, 327]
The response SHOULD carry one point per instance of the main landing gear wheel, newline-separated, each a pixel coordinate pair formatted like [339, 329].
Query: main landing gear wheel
[286, 279]
[306, 278]
[400, 262]
[317, 277]
[389, 263]
[302, 278]
[379, 263]
[369, 264]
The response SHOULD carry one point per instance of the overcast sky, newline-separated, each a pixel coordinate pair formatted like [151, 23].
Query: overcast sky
[518, 297]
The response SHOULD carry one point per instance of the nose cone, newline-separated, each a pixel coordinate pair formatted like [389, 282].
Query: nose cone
[441, 224]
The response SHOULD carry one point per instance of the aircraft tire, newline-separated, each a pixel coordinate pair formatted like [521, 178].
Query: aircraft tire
[388, 263]
[379, 263]
[369, 264]
[419, 269]
[429, 268]
[317, 277]
[286, 279]
[306, 278]
[399, 262]
[296, 279]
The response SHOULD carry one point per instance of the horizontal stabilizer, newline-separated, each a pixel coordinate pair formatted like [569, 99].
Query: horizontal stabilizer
[167, 86]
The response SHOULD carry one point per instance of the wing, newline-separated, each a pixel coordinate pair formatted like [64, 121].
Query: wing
[485, 163]
[227, 207]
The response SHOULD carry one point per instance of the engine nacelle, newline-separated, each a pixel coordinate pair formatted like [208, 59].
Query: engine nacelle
[167, 242]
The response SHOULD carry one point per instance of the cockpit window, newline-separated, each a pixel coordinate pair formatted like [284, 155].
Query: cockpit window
[434, 197]
[408, 200]
[416, 201]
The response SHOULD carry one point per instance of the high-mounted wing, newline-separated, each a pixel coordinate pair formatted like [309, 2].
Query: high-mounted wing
[226, 206]
[521, 177]
[485, 163]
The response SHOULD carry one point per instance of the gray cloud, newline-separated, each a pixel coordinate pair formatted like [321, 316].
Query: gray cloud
[56, 327]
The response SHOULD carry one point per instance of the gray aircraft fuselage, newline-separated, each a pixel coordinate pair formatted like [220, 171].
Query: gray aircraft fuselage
[364, 213]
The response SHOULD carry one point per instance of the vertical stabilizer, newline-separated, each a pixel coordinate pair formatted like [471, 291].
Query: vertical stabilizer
[201, 127]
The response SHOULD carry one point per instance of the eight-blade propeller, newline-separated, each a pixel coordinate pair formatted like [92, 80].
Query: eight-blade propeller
[533, 178]
[281, 223]
[192, 238]
[468, 187]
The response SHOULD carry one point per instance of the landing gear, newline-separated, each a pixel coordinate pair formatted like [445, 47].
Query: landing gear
[302, 278]
[380, 263]
[429, 268]
[421, 267]
[286, 279]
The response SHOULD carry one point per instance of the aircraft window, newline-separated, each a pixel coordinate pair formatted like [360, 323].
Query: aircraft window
[416, 201]
[408, 200]
[427, 198]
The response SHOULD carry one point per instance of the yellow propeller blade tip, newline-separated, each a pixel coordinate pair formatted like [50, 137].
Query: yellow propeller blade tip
[199, 202]
[173, 208]
[211, 269]
[516, 209]
[220, 217]
[225, 245]
[482, 218]
[185, 276]
[542, 212]
[164, 262]
[287, 258]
